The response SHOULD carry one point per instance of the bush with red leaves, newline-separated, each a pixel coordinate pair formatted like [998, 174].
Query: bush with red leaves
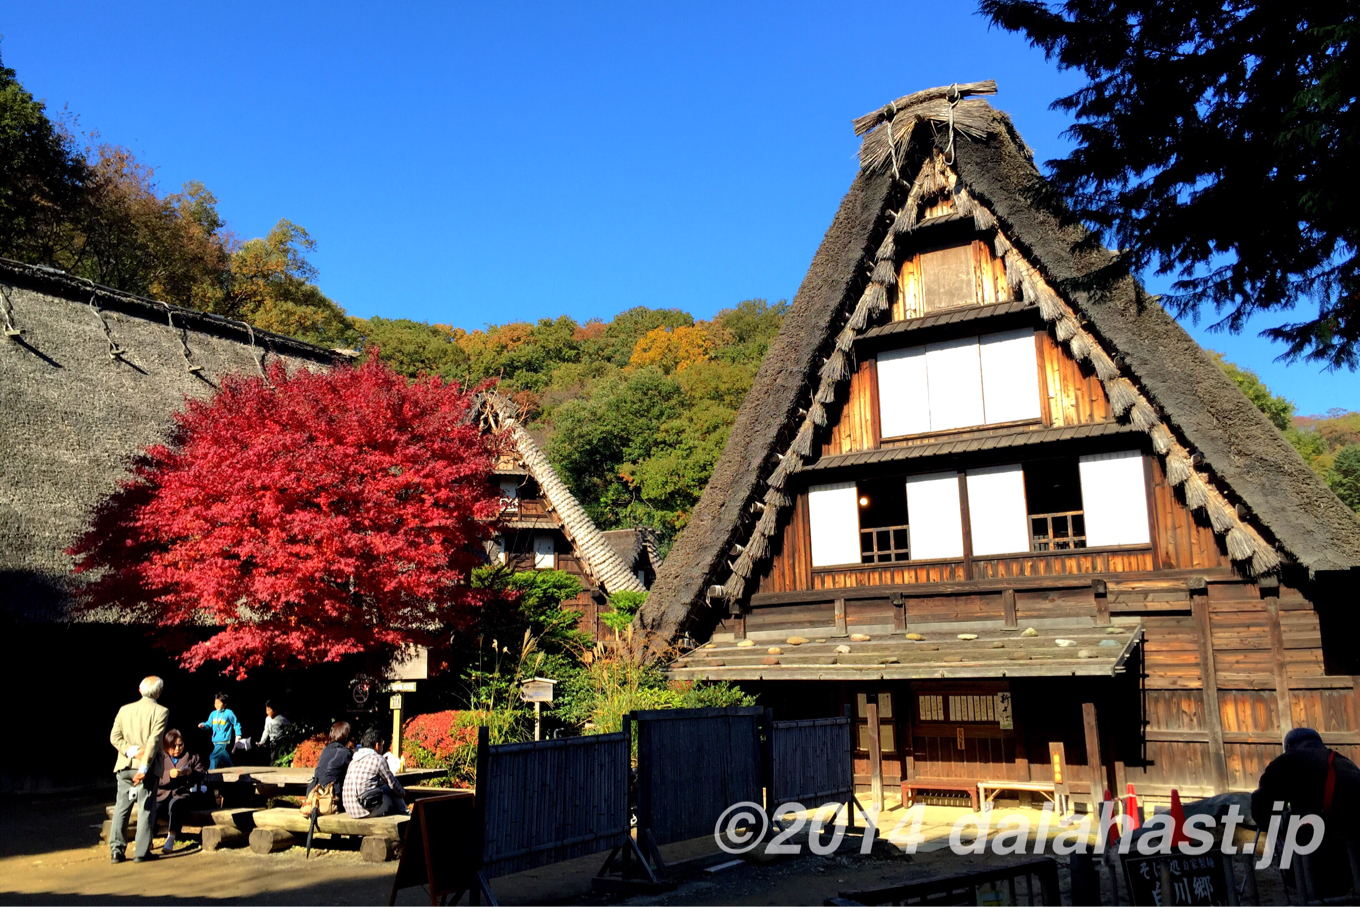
[304, 518]
[309, 750]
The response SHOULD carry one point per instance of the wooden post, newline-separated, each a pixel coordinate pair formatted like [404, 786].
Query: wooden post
[1281, 672]
[538, 721]
[1057, 757]
[1093, 763]
[967, 526]
[1101, 591]
[396, 725]
[875, 754]
[739, 626]
[1218, 760]
[1008, 606]
[840, 618]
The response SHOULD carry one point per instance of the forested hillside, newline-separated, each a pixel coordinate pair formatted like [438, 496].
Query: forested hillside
[635, 410]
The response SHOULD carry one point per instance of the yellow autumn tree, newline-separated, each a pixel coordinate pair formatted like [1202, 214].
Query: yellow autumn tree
[673, 349]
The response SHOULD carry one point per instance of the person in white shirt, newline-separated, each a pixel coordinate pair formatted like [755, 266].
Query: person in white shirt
[272, 736]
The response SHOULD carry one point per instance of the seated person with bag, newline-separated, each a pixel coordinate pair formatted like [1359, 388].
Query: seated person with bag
[182, 784]
[323, 791]
[370, 787]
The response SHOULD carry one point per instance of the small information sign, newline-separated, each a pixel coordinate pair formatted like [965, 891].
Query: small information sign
[1193, 880]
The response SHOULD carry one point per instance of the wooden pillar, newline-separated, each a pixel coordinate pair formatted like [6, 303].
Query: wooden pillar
[840, 618]
[1218, 760]
[1095, 768]
[1282, 697]
[1101, 591]
[1008, 606]
[739, 625]
[875, 753]
[967, 526]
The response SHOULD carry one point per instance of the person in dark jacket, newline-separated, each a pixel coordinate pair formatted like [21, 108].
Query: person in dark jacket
[181, 784]
[334, 760]
[1310, 779]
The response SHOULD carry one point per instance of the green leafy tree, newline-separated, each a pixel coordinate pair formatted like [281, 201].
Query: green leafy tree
[622, 333]
[625, 604]
[42, 175]
[413, 348]
[753, 324]
[1216, 143]
[1344, 476]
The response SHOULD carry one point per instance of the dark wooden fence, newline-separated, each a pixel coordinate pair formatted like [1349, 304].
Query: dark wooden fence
[811, 762]
[540, 803]
[692, 765]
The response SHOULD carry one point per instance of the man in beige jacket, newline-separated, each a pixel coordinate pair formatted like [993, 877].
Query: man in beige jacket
[137, 734]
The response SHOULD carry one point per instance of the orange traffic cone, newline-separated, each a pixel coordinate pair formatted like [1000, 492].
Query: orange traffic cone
[1131, 807]
[1178, 835]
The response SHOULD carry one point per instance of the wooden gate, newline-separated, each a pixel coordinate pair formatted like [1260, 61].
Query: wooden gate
[957, 732]
[540, 803]
[692, 765]
[811, 762]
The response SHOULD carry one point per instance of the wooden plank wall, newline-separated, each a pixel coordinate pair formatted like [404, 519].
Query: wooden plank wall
[1062, 563]
[856, 426]
[1184, 540]
[1070, 392]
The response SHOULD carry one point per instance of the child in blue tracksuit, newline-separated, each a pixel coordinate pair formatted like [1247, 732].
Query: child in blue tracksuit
[225, 728]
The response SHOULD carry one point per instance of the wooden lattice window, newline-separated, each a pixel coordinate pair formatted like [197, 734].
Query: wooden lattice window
[884, 545]
[1057, 531]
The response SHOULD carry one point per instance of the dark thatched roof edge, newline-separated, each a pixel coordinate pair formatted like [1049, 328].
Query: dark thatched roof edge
[77, 289]
[837, 275]
[1238, 442]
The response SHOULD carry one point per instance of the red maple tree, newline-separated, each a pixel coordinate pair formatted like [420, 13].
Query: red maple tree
[304, 518]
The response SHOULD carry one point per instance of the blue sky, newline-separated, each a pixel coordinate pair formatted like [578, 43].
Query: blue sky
[467, 164]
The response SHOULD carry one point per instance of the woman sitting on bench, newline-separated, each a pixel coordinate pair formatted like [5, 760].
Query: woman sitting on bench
[370, 787]
[181, 783]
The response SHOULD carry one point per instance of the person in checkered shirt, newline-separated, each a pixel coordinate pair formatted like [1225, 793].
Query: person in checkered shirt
[370, 787]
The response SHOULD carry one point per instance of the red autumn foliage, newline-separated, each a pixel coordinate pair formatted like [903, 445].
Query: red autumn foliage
[306, 518]
[309, 751]
[439, 734]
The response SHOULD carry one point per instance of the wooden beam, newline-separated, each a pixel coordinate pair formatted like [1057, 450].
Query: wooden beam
[1218, 760]
[1094, 767]
[1008, 606]
[739, 625]
[1279, 662]
[840, 618]
[1101, 591]
[967, 525]
[874, 415]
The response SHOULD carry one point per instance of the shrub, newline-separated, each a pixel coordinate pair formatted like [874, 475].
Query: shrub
[309, 750]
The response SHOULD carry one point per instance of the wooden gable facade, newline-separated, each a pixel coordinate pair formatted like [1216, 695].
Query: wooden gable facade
[985, 531]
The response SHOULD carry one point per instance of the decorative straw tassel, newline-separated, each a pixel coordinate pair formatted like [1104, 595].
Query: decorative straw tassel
[1001, 245]
[826, 393]
[1162, 438]
[884, 272]
[963, 203]
[1220, 517]
[859, 319]
[1105, 368]
[875, 297]
[1178, 468]
[1066, 328]
[742, 566]
[1240, 547]
[758, 547]
[817, 414]
[775, 499]
[735, 587]
[906, 218]
[780, 476]
[768, 523]
[845, 341]
[1264, 560]
[1143, 417]
[836, 368]
[887, 250]
[1122, 395]
[1196, 494]
[983, 220]
[1080, 346]
[802, 442]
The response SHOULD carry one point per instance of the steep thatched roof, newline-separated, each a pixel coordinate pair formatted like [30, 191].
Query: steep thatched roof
[1256, 491]
[94, 378]
[599, 557]
[633, 543]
